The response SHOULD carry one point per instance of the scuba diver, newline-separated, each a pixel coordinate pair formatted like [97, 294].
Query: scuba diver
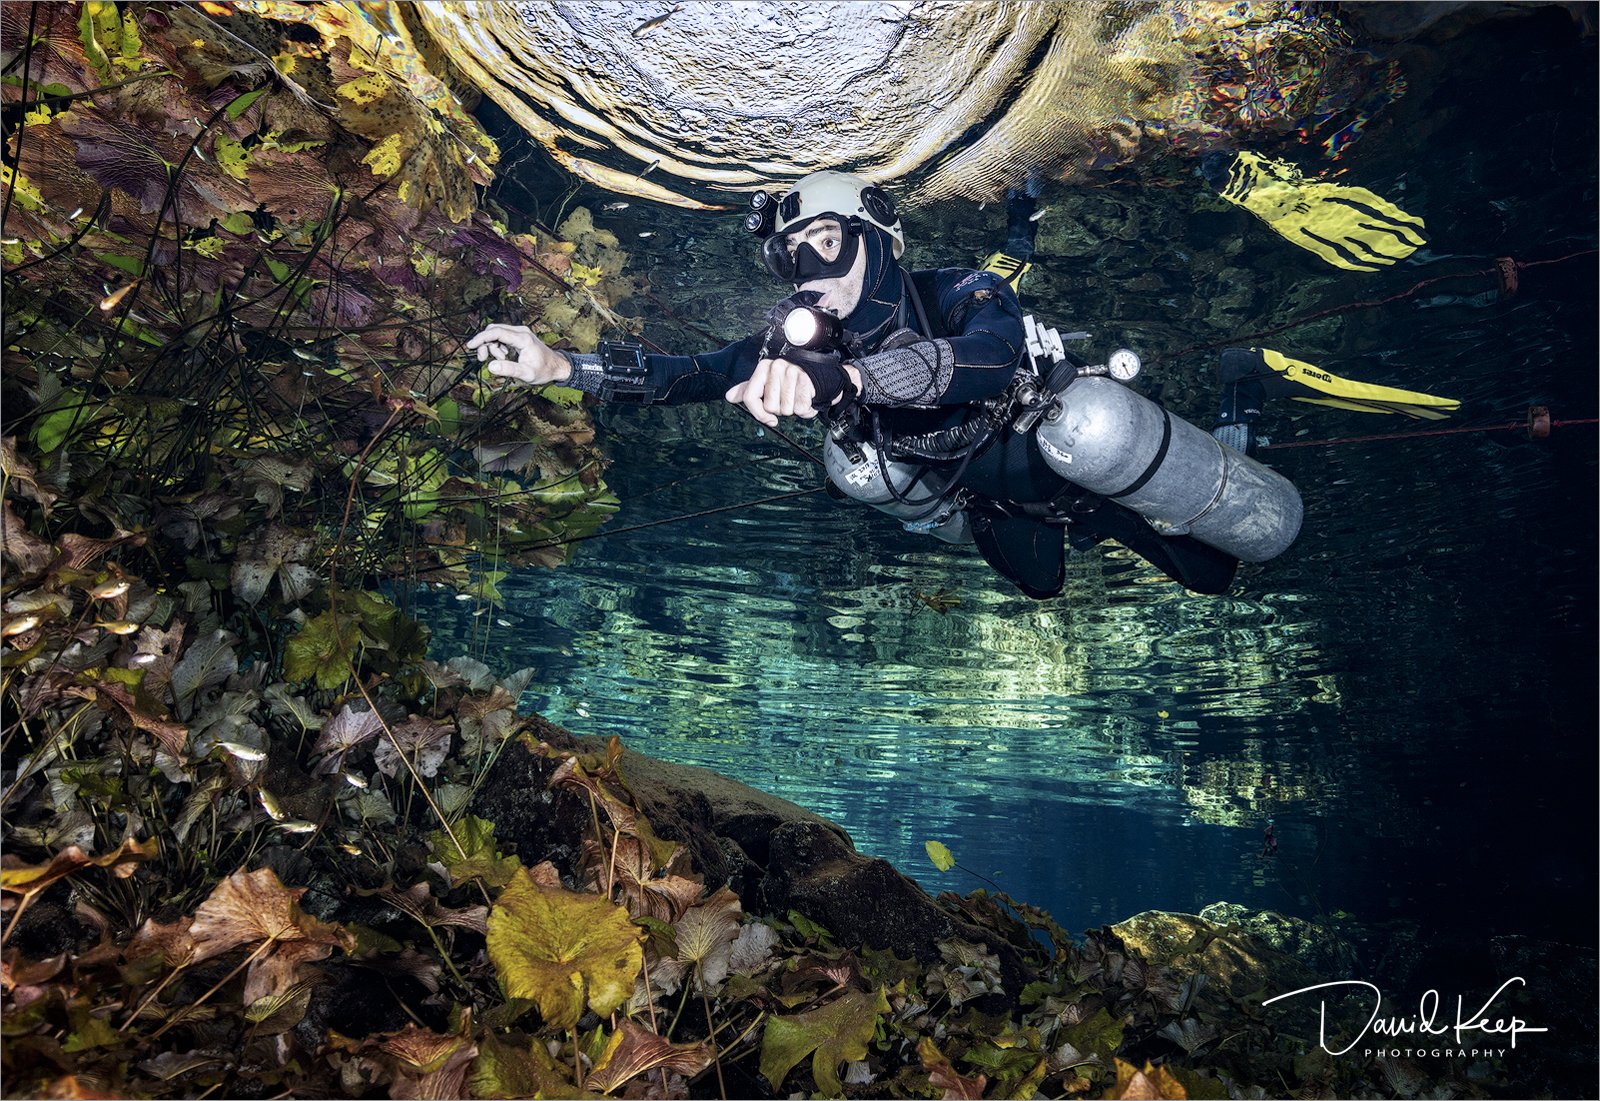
[950, 409]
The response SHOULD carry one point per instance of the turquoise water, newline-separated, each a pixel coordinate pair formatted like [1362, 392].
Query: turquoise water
[1408, 693]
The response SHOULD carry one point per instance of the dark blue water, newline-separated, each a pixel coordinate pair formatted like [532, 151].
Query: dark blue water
[1409, 693]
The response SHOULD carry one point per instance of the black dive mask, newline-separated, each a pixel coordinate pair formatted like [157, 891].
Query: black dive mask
[805, 263]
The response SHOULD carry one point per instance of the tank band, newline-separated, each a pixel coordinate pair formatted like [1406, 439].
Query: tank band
[1155, 463]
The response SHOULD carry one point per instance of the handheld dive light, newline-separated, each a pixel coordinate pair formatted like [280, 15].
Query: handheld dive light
[812, 329]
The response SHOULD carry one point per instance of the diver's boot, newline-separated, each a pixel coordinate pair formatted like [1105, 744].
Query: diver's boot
[1011, 263]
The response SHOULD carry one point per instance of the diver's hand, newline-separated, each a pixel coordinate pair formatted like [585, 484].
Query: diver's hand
[512, 351]
[779, 388]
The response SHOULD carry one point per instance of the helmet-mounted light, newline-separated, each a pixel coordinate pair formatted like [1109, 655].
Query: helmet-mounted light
[763, 214]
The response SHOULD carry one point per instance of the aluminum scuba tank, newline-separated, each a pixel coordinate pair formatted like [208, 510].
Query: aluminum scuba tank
[1119, 444]
[859, 475]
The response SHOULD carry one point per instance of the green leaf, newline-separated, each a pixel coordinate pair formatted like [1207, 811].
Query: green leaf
[838, 1032]
[51, 430]
[482, 860]
[238, 222]
[942, 857]
[449, 411]
[807, 928]
[324, 650]
[242, 104]
[563, 949]
[519, 1070]
[232, 156]
[133, 265]
[279, 270]
[1100, 1034]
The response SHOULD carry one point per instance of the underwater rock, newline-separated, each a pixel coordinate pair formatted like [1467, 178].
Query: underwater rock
[1317, 946]
[775, 855]
[706, 99]
[1236, 959]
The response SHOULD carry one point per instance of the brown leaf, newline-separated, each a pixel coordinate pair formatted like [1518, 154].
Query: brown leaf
[172, 736]
[706, 934]
[429, 1066]
[1150, 1084]
[157, 653]
[79, 551]
[638, 1051]
[29, 879]
[424, 742]
[249, 907]
[666, 897]
[418, 901]
[943, 1076]
[30, 553]
[21, 475]
[171, 942]
[278, 972]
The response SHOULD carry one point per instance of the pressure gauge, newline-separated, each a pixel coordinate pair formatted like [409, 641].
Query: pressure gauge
[1123, 365]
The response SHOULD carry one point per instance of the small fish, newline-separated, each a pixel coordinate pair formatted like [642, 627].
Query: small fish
[269, 803]
[109, 590]
[109, 302]
[651, 167]
[119, 626]
[612, 208]
[73, 217]
[142, 659]
[1037, 214]
[18, 626]
[353, 850]
[648, 233]
[297, 825]
[242, 751]
[649, 24]
[940, 600]
[358, 782]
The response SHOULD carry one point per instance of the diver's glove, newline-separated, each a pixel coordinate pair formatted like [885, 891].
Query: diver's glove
[827, 377]
[1349, 227]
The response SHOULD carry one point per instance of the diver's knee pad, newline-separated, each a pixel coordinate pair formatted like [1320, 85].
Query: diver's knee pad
[920, 497]
[1123, 446]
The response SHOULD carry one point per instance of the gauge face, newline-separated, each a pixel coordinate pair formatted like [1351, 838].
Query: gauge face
[1123, 365]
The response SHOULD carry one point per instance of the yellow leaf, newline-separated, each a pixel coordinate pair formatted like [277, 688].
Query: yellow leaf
[940, 854]
[365, 90]
[386, 157]
[563, 949]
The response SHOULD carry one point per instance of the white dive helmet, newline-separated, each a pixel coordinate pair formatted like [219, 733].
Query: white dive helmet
[843, 194]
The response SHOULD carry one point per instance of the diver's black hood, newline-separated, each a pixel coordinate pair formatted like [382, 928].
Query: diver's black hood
[882, 291]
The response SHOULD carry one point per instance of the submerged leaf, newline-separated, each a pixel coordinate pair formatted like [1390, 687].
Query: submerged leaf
[940, 854]
[943, 1076]
[563, 950]
[706, 934]
[837, 1032]
[640, 1051]
[478, 856]
[250, 907]
[207, 663]
[29, 879]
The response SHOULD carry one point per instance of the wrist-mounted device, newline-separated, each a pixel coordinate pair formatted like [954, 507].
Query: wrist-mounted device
[624, 376]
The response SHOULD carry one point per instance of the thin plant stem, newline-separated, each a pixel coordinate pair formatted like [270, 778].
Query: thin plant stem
[220, 983]
[150, 997]
[716, 1056]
